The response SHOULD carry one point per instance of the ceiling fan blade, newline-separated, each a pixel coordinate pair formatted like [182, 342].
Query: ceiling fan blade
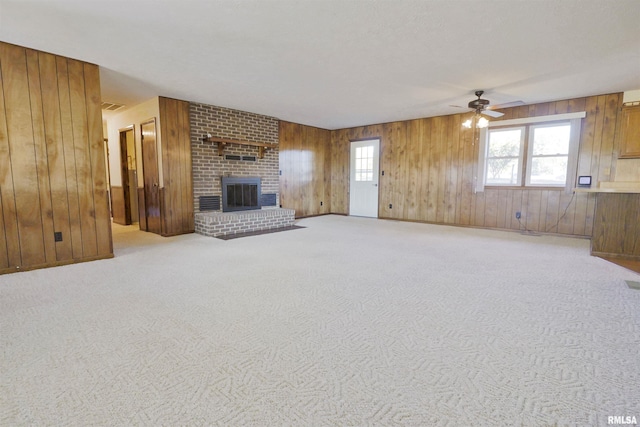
[508, 104]
[458, 106]
[491, 113]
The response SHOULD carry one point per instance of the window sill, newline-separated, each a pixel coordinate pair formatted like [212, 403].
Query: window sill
[520, 187]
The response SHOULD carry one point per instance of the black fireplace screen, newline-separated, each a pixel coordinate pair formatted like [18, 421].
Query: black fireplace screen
[239, 194]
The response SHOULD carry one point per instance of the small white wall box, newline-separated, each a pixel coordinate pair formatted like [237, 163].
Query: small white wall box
[584, 181]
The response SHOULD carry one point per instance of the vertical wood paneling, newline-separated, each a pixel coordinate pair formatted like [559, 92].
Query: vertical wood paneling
[385, 194]
[442, 127]
[491, 208]
[52, 166]
[325, 137]
[117, 201]
[591, 207]
[188, 218]
[170, 159]
[432, 179]
[305, 161]
[44, 192]
[297, 178]
[414, 148]
[608, 155]
[453, 155]
[71, 182]
[480, 210]
[82, 158]
[177, 192]
[509, 207]
[425, 145]
[398, 133]
[96, 157]
[4, 255]
[312, 189]
[501, 209]
[532, 210]
[55, 154]
[10, 251]
[466, 166]
[552, 214]
[22, 155]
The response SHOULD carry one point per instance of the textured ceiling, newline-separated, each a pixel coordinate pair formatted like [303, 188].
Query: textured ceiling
[338, 63]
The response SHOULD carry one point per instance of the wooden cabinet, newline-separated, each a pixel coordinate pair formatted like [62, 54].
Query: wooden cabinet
[629, 132]
[616, 229]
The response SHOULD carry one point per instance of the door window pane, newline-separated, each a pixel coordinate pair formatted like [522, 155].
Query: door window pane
[364, 163]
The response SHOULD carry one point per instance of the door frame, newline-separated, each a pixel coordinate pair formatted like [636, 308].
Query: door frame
[124, 170]
[351, 141]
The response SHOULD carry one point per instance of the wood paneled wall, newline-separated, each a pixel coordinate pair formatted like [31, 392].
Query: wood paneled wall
[430, 167]
[52, 166]
[177, 192]
[117, 204]
[305, 163]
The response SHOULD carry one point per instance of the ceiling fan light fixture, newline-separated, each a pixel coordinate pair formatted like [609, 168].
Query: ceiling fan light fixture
[482, 123]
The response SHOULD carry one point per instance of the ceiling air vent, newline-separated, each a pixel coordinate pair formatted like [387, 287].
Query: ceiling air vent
[108, 106]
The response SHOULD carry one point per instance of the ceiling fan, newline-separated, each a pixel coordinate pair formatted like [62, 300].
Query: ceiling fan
[481, 106]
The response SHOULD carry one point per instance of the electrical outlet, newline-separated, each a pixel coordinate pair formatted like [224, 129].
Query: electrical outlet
[518, 215]
[320, 203]
[390, 206]
[57, 236]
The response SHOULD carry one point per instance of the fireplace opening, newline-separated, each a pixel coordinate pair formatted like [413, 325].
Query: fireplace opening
[240, 193]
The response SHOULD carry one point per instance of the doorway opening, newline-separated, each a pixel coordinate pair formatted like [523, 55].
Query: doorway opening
[129, 173]
[363, 182]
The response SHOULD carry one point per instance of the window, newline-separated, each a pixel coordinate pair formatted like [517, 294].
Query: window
[533, 152]
[504, 156]
[548, 154]
[364, 163]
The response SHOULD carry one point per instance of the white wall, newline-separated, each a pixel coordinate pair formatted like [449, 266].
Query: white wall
[133, 116]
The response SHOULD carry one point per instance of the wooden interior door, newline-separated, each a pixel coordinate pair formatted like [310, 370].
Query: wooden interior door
[124, 172]
[151, 177]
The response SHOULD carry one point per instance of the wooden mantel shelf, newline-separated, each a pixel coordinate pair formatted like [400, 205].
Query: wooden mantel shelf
[222, 142]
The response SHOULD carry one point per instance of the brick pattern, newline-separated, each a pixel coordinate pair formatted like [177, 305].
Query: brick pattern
[209, 168]
[215, 224]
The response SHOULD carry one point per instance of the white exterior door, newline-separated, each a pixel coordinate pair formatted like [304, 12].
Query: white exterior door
[363, 187]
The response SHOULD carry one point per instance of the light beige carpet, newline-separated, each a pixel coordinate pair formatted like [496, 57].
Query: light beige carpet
[349, 321]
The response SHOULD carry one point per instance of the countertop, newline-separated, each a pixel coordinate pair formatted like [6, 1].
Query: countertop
[612, 187]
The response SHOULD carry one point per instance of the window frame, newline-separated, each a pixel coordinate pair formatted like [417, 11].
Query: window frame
[575, 121]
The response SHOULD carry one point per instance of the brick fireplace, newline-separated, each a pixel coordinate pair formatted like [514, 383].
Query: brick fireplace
[237, 162]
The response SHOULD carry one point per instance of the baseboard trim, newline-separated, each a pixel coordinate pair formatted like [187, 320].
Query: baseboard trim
[18, 269]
